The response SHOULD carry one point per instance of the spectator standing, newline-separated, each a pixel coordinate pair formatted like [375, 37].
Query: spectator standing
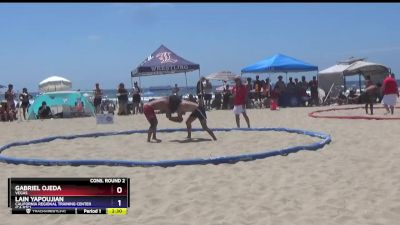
[122, 95]
[200, 88]
[24, 98]
[390, 93]
[314, 91]
[239, 92]
[136, 98]
[208, 94]
[98, 96]
[9, 95]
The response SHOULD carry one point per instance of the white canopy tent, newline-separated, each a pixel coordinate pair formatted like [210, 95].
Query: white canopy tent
[377, 71]
[334, 77]
[55, 83]
[222, 75]
[222, 88]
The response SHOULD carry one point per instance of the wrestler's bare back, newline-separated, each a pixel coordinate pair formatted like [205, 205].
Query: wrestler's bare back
[161, 104]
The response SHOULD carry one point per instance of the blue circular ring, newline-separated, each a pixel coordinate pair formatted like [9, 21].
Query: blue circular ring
[325, 139]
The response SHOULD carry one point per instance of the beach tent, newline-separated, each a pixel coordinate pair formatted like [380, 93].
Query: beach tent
[332, 76]
[61, 102]
[335, 76]
[164, 61]
[279, 63]
[55, 83]
[222, 75]
[377, 71]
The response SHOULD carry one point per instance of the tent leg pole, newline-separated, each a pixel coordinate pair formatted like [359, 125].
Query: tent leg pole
[344, 84]
[286, 78]
[140, 85]
[359, 82]
[186, 82]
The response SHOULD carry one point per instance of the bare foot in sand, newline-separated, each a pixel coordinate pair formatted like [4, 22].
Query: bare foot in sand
[157, 140]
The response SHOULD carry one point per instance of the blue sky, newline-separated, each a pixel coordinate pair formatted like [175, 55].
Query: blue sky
[103, 42]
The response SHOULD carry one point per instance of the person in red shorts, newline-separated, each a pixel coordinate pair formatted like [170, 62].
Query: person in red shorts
[239, 93]
[168, 105]
[390, 93]
[172, 104]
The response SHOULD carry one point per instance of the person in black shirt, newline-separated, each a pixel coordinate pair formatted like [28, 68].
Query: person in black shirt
[200, 88]
[257, 90]
[291, 92]
[98, 95]
[136, 98]
[314, 91]
[44, 111]
[24, 98]
[226, 98]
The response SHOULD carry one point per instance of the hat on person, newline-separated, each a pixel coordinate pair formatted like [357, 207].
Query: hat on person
[280, 77]
[237, 78]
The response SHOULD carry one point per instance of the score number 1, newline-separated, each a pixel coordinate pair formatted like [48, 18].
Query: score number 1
[119, 191]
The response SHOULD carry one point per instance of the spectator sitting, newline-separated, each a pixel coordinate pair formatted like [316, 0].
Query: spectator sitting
[79, 107]
[353, 98]
[192, 98]
[3, 112]
[44, 111]
[341, 99]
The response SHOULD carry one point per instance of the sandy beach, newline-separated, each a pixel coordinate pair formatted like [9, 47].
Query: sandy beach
[353, 180]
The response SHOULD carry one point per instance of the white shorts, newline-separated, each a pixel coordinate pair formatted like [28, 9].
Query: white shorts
[238, 109]
[389, 99]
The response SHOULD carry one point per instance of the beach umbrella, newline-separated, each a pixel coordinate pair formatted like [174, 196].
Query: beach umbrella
[222, 75]
[55, 83]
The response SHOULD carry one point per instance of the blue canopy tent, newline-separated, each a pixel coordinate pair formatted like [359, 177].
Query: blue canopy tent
[164, 61]
[279, 63]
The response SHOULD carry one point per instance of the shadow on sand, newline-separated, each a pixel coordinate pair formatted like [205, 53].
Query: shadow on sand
[191, 140]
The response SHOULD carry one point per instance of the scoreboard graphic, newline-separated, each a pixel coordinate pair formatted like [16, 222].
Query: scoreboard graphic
[69, 195]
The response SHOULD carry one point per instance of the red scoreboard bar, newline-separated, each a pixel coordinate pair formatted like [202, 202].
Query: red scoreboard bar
[69, 195]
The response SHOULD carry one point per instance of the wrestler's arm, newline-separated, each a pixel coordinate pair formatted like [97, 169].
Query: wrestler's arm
[176, 119]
